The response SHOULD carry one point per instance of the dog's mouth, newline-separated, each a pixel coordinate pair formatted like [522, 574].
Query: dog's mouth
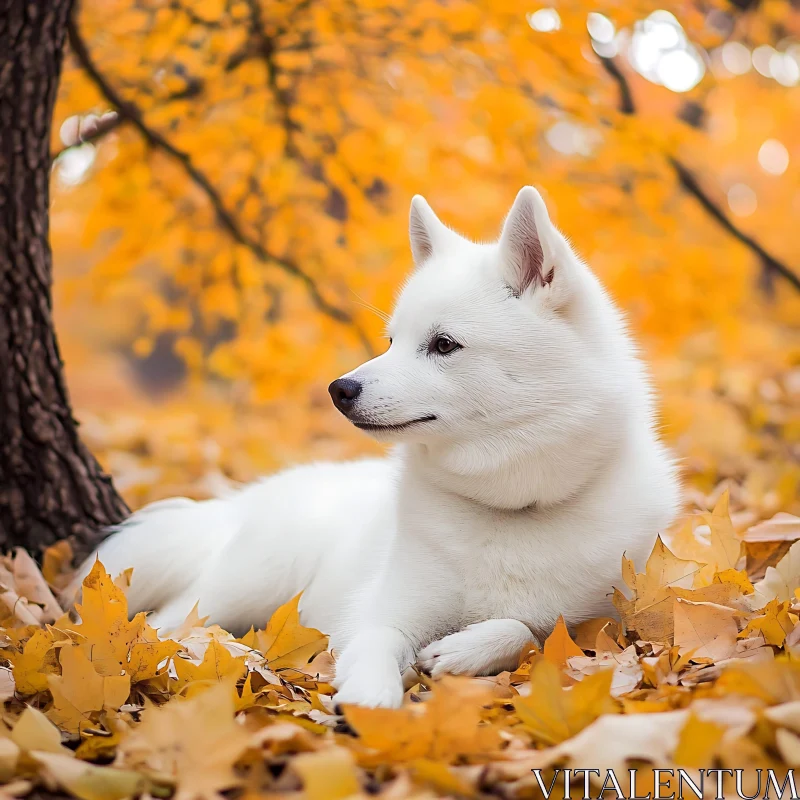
[401, 426]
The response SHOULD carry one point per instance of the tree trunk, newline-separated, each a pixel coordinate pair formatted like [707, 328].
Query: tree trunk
[51, 487]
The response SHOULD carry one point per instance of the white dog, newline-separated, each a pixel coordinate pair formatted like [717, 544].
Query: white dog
[528, 462]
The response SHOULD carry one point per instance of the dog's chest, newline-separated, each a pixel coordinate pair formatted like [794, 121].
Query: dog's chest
[518, 567]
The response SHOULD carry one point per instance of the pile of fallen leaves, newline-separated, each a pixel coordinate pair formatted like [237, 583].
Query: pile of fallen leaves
[701, 670]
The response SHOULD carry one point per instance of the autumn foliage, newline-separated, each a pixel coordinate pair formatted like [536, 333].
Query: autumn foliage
[218, 260]
[699, 671]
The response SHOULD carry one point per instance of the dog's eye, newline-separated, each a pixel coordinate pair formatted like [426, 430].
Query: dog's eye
[444, 345]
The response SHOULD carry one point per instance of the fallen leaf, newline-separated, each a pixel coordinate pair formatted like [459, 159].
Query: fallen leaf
[442, 729]
[57, 564]
[217, 665]
[551, 713]
[30, 672]
[32, 586]
[33, 731]
[192, 621]
[698, 743]
[148, 654]
[9, 757]
[559, 647]
[612, 740]
[705, 630]
[192, 744]
[788, 744]
[7, 685]
[106, 635]
[780, 581]
[286, 643]
[327, 774]
[80, 690]
[87, 781]
[774, 625]
[782, 527]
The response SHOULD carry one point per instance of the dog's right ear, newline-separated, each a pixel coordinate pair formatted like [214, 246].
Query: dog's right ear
[427, 233]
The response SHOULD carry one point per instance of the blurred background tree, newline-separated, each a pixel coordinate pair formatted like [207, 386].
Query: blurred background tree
[232, 180]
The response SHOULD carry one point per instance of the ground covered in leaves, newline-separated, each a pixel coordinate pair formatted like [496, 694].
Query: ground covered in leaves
[700, 671]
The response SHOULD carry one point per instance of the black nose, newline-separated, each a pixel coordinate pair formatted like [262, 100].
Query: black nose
[344, 393]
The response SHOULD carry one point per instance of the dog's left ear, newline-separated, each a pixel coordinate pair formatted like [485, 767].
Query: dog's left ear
[528, 244]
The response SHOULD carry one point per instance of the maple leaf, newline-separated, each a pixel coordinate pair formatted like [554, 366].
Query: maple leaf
[774, 624]
[106, 634]
[327, 774]
[148, 654]
[649, 612]
[7, 685]
[80, 690]
[87, 781]
[612, 740]
[559, 646]
[192, 621]
[31, 585]
[33, 665]
[286, 643]
[218, 665]
[780, 581]
[192, 743]
[769, 541]
[57, 564]
[33, 731]
[722, 550]
[623, 664]
[705, 630]
[698, 742]
[552, 714]
[446, 726]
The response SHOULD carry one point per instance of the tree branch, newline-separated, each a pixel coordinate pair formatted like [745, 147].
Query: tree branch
[689, 183]
[89, 131]
[129, 112]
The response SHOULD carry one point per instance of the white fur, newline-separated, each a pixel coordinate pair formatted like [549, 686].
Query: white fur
[513, 506]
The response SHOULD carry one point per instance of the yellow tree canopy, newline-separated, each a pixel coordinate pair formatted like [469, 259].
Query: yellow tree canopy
[234, 175]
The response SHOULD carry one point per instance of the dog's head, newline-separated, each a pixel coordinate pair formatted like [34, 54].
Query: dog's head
[497, 351]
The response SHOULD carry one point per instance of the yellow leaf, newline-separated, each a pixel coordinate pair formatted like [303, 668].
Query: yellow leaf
[33, 731]
[705, 630]
[32, 665]
[80, 690]
[217, 665]
[443, 728]
[552, 713]
[698, 743]
[87, 781]
[327, 774]
[558, 646]
[286, 643]
[146, 655]
[440, 777]
[774, 625]
[192, 744]
[107, 635]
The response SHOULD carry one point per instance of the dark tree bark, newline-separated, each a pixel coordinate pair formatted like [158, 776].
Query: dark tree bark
[51, 487]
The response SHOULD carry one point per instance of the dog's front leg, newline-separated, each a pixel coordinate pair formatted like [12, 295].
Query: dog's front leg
[369, 671]
[484, 648]
[412, 600]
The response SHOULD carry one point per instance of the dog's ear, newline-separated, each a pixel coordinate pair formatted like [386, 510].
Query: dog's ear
[427, 233]
[526, 243]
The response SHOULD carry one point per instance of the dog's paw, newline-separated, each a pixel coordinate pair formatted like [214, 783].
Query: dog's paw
[484, 648]
[376, 689]
[461, 653]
